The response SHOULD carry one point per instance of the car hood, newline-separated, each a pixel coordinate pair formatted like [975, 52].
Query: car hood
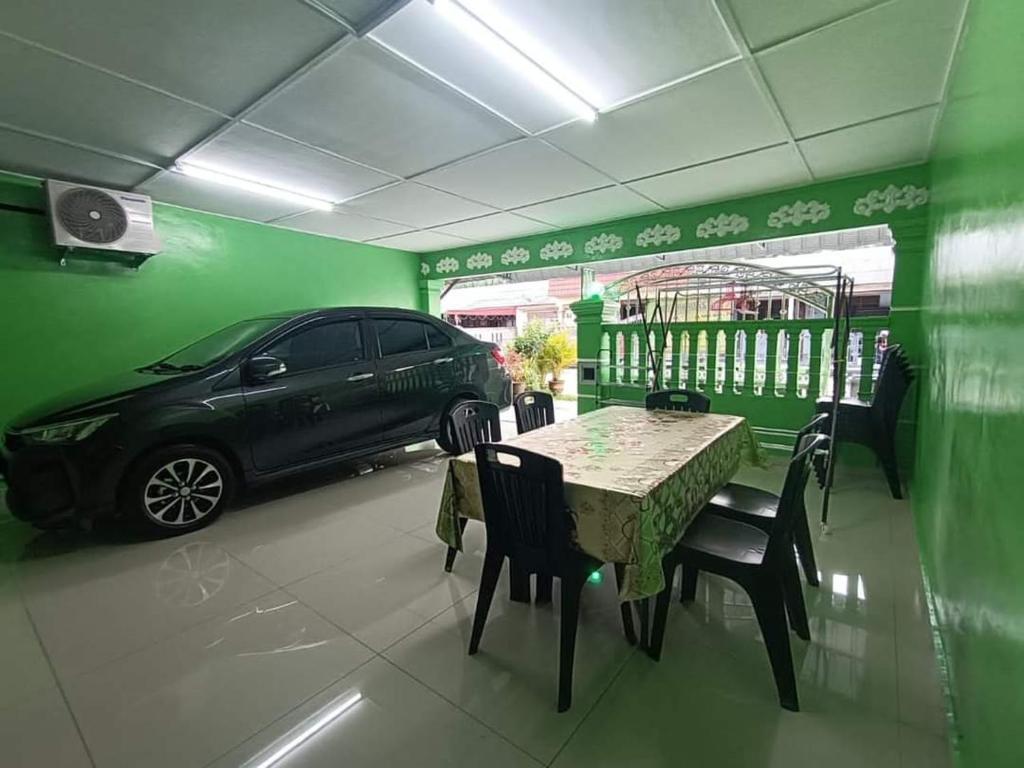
[105, 396]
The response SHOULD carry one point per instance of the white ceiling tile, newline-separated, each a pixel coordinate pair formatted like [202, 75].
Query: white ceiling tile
[720, 113]
[223, 54]
[518, 174]
[495, 227]
[421, 241]
[590, 207]
[253, 153]
[416, 205]
[365, 104]
[49, 159]
[888, 60]
[765, 22]
[202, 195]
[45, 93]
[422, 34]
[345, 225]
[892, 141]
[749, 174]
[357, 12]
[618, 48]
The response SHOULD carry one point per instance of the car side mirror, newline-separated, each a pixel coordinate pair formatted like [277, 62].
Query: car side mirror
[265, 367]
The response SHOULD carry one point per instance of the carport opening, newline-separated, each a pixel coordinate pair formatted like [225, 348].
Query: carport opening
[502, 308]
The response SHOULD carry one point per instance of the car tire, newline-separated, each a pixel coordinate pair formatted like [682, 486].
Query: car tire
[445, 438]
[177, 489]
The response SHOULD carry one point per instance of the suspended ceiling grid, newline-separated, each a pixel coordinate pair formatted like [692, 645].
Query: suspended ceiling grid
[427, 142]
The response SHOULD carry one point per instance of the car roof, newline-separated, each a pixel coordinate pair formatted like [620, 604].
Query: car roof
[327, 311]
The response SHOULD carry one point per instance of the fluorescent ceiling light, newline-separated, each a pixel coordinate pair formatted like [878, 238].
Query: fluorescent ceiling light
[256, 187]
[488, 28]
[304, 732]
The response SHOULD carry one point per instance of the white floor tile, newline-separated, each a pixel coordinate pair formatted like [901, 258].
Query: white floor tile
[98, 604]
[386, 719]
[383, 595]
[187, 700]
[511, 684]
[288, 539]
[23, 667]
[39, 733]
[181, 652]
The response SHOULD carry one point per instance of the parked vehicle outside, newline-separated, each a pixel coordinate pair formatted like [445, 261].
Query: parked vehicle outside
[167, 445]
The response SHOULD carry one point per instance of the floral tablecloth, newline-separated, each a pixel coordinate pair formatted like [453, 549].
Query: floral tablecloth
[634, 480]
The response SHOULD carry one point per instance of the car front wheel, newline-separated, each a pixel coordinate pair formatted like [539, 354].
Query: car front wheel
[177, 489]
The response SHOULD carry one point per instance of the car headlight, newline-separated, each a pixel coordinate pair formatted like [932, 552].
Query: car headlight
[66, 431]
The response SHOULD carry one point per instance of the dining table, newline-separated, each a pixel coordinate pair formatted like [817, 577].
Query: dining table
[634, 480]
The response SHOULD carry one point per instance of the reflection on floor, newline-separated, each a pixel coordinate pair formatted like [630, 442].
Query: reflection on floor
[314, 626]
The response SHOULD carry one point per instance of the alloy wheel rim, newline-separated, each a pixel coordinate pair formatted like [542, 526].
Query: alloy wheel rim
[182, 492]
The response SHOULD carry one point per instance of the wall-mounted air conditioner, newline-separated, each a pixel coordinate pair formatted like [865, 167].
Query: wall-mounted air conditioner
[101, 219]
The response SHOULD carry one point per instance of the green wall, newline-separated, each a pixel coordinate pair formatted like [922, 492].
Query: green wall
[64, 327]
[969, 498]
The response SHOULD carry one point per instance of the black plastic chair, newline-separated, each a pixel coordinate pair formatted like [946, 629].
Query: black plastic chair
[534, 410]
[678, 400]
[471, 422]
[762, 563]
[759, 508]
[873, 424]
[528, 523]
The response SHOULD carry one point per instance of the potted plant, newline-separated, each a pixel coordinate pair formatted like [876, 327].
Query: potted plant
[517, 368]
[557, 354]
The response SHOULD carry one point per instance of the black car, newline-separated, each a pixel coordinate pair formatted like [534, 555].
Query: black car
[166, 445]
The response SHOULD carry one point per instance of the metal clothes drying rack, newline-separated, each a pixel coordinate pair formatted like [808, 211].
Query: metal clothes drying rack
[739, 289]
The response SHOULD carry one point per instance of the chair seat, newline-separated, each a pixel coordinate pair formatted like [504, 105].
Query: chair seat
[823, 403]
[727, 539]
[746, 500]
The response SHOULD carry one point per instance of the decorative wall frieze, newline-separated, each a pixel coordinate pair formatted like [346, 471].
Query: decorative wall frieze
[479, 261]
[515, 255]
[447, 264]
[891, 198]
[606, 242]
[799, 213]
[722, 225]
[556, 249]
[659, 234]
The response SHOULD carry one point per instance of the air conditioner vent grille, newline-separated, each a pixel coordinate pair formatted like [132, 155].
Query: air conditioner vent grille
[91, 215]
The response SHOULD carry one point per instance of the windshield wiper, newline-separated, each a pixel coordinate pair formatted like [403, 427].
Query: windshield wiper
[165, 367]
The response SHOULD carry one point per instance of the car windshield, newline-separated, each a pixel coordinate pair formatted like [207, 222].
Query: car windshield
[216, 346]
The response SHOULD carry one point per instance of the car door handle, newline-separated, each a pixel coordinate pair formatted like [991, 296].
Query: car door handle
[360, 377]
[442, 360]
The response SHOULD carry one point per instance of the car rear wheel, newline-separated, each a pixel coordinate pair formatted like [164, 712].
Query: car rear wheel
[178, 489]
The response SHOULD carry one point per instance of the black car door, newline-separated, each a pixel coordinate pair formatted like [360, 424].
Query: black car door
[326, 400]
[416, 372]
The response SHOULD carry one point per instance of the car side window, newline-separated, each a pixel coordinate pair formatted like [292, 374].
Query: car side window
[398, 337]
[322, 346]
[437, 338]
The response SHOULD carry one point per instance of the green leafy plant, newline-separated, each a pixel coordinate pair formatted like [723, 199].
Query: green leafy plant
[530, 342]
[557, 354]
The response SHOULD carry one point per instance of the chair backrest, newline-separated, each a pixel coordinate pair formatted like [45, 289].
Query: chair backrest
[894, 379]
[814, 426]
[678, 400]
[524, 506]
[791, 501]
[534, 410]
[474, 422]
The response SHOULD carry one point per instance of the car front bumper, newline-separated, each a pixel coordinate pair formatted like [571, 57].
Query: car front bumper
[50, 483]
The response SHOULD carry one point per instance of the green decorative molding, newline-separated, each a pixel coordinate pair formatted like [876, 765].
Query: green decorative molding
[860, 201]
